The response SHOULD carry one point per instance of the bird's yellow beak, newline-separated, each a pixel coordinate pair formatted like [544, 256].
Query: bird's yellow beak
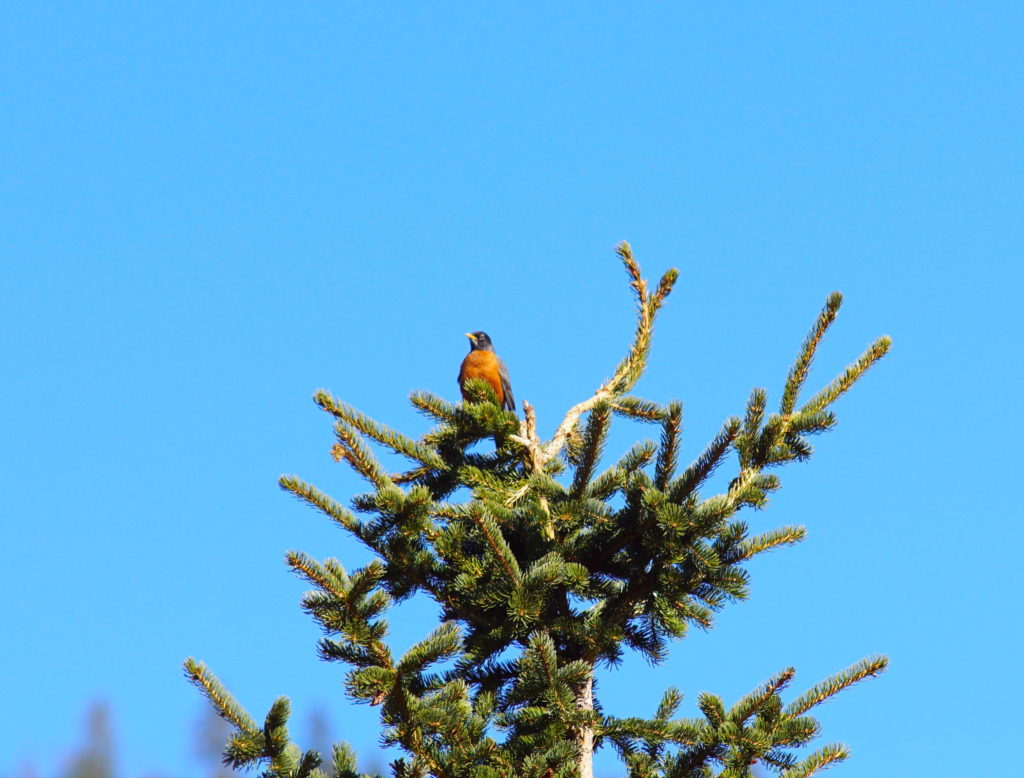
[469, 335]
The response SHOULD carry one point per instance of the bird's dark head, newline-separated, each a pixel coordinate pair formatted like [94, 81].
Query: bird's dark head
[479, 341]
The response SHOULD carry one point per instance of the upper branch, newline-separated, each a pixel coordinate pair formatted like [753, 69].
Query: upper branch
[626, 374]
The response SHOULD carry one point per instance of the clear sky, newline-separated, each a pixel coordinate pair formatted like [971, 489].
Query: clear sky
[210, 209]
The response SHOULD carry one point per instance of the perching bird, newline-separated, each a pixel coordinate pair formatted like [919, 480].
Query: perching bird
[482, 362]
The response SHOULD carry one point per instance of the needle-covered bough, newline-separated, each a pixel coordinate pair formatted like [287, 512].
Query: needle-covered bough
[551, 569]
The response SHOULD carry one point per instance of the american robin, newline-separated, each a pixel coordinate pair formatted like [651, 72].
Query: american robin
[482, 362]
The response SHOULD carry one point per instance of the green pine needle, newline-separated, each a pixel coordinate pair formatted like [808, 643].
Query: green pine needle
[353, 449]
[668, 452]
[396, 441]
[819, 760]
[865, 668]
[313, 496]
[680, 488]
[850, 376]
[798, 373]
[202, 678]
[638, 409]
[783, 536]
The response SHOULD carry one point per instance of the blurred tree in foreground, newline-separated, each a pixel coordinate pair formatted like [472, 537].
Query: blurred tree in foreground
[551, 569]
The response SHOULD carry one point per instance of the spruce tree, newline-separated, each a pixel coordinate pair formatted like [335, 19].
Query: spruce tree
[550, 569]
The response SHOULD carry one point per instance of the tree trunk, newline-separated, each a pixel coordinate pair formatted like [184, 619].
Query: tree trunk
[585, 701]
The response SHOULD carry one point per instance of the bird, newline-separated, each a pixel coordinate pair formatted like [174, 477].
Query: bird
[482, 362]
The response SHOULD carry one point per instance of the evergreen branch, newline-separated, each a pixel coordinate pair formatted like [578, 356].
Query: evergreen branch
[346, 603]
[668, 455]
[372, 683]
[638, 409]
[591, 447]
[243, 748]
[447, 510]
[364, 580]
[697, 473]
[756, 449]
[634, 363]
[842, 384]
[343, 761]
[798, 372]
[756, 701]
[315, 573]
[543, 648]
[477, 390]
[819, 760]
[200, 676]
[275, 726]
[396, 441]
[778, 759]
[313, 496]
[499, 546]
[783, 536]
[831, 686]
[415, 475]
[352, 448]
[480, 479]
[799, 731]
[712, 707]
[544, 485]
[669, 704]
[363, 653]
[605, 484]
[754, 415]
[252, 743]
[444, 642]
[616, 611]
[448, 597]
[435, 407]
[636, 281]
[308, 766]
[638, 456]
[811, 422]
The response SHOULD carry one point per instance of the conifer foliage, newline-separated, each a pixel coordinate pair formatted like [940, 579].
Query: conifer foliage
[553, 566]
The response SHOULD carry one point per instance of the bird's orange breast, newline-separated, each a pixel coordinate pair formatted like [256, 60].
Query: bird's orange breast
[481, 364]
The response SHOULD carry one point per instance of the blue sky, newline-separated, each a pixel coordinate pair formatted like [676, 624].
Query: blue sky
[211, 209]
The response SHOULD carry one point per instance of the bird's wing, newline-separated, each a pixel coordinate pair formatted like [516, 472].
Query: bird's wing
[506, 386]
